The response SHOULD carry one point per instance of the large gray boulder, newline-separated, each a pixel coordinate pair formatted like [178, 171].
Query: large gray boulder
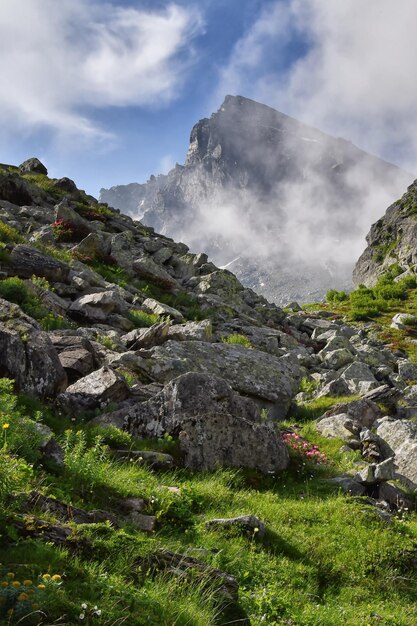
[27, 354]
[215, 426]
[271, 381]
[96, 307]
[400, 438]
[96, 390]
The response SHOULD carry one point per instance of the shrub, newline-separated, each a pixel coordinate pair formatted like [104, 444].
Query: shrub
[8, 234]
[336, 296]
[14, 475]
[237, 339]
[14, 290]
[141, 319]
[85, 466]
[64, 230]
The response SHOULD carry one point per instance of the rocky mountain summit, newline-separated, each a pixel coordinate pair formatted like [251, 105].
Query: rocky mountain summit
[281, 204]
[117, 328]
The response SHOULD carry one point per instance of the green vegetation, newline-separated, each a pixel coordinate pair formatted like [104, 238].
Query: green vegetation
[8, 234]
[15, 290]
[237, 339]
[142, 319]
[312, 568]
[336, 296]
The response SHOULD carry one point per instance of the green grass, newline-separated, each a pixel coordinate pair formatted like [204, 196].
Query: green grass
[8, 234]
[237, 339]
[327, 559]
[142, 319]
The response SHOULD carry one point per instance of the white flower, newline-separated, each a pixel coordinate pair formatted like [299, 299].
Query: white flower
[82, 615]
[98, 612]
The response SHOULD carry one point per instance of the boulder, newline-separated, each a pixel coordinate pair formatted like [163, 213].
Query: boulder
[336, 359]
[341, 426]
[147, 269]
[96, 307]
[27, 354]
[153, 306]
[402, 321]
[359, 378]
[399, 437]
[191, 331]
[377, 472]
[33, 165]
[215, 426]
[143, 338]
[26, 261]
[96, 390]
[347, 484]
[272, 381]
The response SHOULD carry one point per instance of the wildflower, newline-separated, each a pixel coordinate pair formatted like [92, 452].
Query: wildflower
[56, 578]
[22, 597]
[84, 606]
[16, 583]
[46, 576]
[27, 583]
[256, 529]
[81, 615]
[4, 584]
[97, 612]
[10, 575]
[5, 426]
[41, 587]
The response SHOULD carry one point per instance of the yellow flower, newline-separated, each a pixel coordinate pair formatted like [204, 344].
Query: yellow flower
[10, 575]
[22, 597]
[46, 576]
[15, 583]
[5, 426]
[4, 584]
[41, 587]
[27, 583]
[56, 578]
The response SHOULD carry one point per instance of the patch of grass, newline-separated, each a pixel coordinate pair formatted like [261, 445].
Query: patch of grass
[142, 319]
[336, 296]
[237, 339]
[307, 411]
[8, 234]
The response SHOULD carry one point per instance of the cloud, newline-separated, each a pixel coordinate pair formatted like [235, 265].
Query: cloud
[349, 69]
[61, 60]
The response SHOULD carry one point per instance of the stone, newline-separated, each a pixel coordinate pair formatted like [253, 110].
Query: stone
[51, 451]
[407, 370]
[96, 390]
[146, 523]
[146, 268]
[77, 363]
[215, 426]
[247, 524]
[399, 437]
[340, 426]
[377, 472]
[26, 261]
[334, 388]
[143, 338]
[191, 331]
[66, 512]
[97, 307]
[94, 245]
[363, 411]
[403, 321]
[347, 484]
[153, 306]
[395, 497]
[33, 165]
[359, 378]
[336, 359]
[66, 184]
[28, 355]
[271, 381]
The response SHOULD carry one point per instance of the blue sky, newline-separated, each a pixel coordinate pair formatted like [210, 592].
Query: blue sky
[107, 92]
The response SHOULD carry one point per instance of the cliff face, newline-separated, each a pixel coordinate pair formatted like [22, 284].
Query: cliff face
[392, 239]
[283, 203]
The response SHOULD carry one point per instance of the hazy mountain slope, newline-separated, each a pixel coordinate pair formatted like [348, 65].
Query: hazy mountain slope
[290, 201]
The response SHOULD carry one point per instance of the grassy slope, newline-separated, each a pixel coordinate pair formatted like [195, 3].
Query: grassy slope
[327, 559]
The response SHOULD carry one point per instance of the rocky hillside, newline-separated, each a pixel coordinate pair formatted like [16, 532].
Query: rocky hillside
[147, 473]
[391, 241]
[273, 199]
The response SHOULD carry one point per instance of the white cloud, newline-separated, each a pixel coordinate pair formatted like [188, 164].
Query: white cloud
[355, 80]
[60, 60]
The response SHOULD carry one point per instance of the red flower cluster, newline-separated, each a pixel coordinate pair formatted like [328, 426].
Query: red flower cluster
[64, 230]
[304, 448]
